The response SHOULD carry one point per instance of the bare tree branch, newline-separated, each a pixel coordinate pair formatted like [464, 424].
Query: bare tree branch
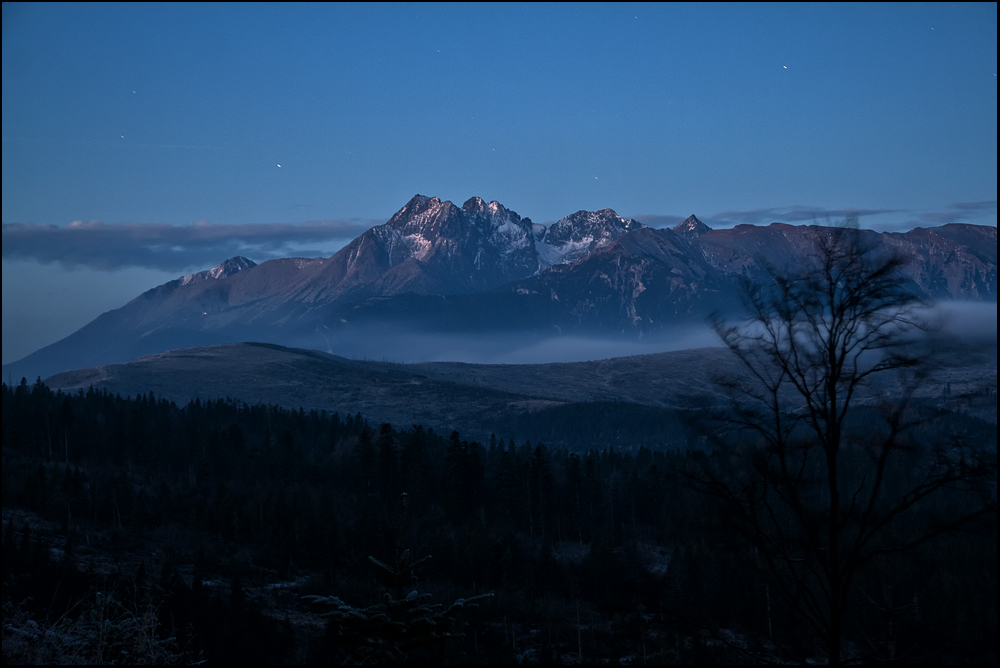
[814, 342]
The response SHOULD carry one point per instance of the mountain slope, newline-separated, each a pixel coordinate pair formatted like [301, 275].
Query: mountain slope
[438, 395]
[429, 247]
[449, 395]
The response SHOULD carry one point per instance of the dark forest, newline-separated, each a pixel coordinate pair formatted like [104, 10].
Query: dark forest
[223, 532]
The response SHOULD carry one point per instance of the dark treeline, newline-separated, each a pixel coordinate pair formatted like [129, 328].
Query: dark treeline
[596, 555]
[581, 426]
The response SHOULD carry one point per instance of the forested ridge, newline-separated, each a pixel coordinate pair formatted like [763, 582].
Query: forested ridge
[205, 525]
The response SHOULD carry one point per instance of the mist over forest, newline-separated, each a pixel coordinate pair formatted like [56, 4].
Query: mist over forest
[511, 347]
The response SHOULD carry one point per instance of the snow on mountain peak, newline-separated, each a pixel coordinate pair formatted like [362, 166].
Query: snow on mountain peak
[691, 227]
[227, 268]
[477, 206]
[490, 234]
[418, 204]
[579, 234]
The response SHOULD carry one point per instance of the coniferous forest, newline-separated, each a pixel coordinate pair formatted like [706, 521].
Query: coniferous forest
[136, 531]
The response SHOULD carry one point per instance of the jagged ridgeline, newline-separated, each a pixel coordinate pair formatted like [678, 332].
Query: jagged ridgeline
[436, 270]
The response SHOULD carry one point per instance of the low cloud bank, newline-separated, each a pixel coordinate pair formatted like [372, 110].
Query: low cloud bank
[958, 213]
[792, 214]
[972, 322]
[888, 220]
[390, 344]
[106, 247]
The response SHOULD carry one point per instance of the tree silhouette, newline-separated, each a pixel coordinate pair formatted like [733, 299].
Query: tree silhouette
[813, 442]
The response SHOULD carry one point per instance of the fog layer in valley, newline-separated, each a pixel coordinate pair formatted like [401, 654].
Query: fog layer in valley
[393, 344]
[972, 322]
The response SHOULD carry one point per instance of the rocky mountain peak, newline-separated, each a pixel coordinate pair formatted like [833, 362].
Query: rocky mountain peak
[593, 224]
[691, 227]
[475, 247]
[474, 204]
[231, 266]
[432, 245]
[419, 201]
[495, 212]
[421, 215]
[579, 234]
[419, 204]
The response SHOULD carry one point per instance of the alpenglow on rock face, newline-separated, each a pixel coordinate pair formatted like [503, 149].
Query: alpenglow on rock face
[432, 246]
[436, 269]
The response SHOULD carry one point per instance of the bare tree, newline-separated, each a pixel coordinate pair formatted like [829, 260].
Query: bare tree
[806, 471]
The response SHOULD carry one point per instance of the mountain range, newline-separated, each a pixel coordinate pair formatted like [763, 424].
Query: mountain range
[438, 269]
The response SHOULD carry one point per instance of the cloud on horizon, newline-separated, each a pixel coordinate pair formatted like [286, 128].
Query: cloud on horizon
[905, 219]
[659, 220]
[956, 213]
[108, 247]
[785, 214]
[791, 214]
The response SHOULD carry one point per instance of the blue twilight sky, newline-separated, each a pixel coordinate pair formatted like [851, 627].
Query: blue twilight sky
[144, 141]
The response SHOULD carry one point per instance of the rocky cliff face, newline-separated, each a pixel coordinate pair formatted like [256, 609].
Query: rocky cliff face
[228, 268]
[652, 277]
[953, 261]
[435, 247]
[576, 236]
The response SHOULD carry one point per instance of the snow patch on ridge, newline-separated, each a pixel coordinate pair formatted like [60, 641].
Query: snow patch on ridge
[227, 268]
[565, 253]
[419, 245]
[490, 235]
[574, 237]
